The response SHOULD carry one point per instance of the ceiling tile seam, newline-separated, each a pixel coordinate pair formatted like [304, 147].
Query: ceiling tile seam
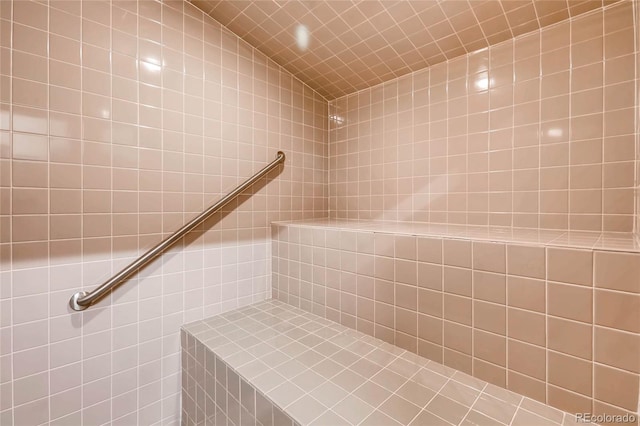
[329, 90]
[592, 11]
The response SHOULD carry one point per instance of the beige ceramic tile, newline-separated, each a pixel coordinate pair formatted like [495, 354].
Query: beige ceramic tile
[617, 271]
[616, 387]
[617, 348]
[457, 253]
[526, 326]
[526, 293]
[526, 261]
[489, 257]
[570, 266]
[570, 373]
[619, 311]
[526, 359]
[445, 32]
[489, 287]
[539, 179]
[570, 301]
[569, 337]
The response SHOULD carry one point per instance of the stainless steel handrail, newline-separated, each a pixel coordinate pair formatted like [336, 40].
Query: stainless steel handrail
[82, 300]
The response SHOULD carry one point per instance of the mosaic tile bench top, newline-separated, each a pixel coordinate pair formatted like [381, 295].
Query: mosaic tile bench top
[319, 372]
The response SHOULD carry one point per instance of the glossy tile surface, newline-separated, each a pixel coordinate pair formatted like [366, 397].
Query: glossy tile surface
[535, 132]
[353, 45]
[607, 241]
[318, 372]
[120, 121]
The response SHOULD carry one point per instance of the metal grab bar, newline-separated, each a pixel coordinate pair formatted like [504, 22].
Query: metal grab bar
[82, 300]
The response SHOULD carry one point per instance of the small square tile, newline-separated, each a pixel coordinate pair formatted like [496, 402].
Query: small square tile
[285, 394]
[460, 393]
[353, 409]
[399, 409]
[328, 418]
[388, 380]
[416, 393]
[308, 380]
[447, 409]
[495, 408]
[306, 409]
[430, 379]
[479, 419]
[379, 418]
[348, 380]
[372, 393]
[427, 418]
[329, 393]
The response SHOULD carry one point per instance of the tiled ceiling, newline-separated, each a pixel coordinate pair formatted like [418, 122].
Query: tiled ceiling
[357, 44]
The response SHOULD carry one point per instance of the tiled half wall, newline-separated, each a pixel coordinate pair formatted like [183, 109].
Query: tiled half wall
[558, 324]
[535, 132]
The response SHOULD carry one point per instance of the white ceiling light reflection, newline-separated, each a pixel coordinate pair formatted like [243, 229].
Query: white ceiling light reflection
[336, 119]
[302, 37]
[151, 64]
[555, 133]
[482, 83]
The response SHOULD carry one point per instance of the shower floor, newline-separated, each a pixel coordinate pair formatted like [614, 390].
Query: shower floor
[318, 372]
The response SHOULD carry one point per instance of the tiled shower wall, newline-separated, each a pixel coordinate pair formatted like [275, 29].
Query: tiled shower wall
[637, 21]
[535, 132]
[559, 325]
[118, 122]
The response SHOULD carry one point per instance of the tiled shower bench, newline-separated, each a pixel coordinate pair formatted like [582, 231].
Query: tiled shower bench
[551, 315]
[271, 364]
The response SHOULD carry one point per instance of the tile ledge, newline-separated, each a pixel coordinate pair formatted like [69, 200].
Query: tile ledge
[592, 240]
